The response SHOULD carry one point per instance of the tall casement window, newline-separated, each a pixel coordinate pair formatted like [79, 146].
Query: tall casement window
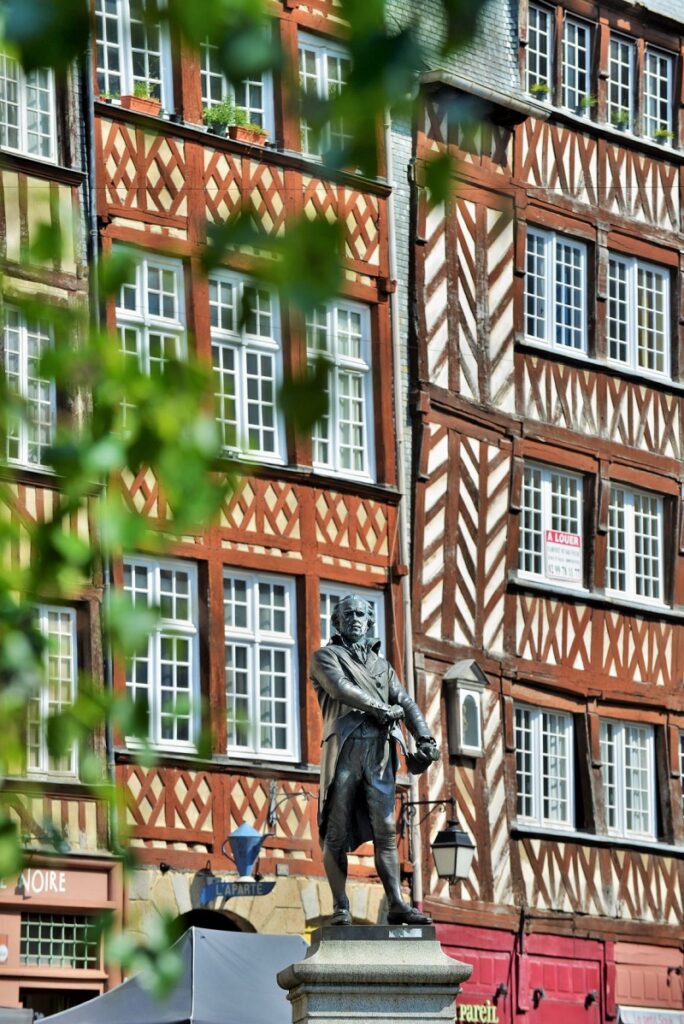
[253, 96]
[323, 72]
[27, 110]
[576, 67]
[539, 63]
[261, 665]
[24, 343]
[58, 628]
[340, 333]
[246, 358]
[332, 592]
[628, 770]
[150, 315]
[621, 64]
[132, 48]
[638, 319]
[556, 290]
[634, 565]
[658, 91]
[164, 677]
[550, 544]
[544, 767]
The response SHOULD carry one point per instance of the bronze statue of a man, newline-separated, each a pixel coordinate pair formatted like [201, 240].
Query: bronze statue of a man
[362, 702]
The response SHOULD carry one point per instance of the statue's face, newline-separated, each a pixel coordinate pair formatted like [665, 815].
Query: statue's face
[353, 619]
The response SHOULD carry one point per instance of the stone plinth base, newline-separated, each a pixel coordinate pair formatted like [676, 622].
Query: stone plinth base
[380, 973]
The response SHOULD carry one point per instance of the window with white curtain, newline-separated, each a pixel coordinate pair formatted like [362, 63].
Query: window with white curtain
[539, 50]
[163, 678]
[253, 95]
[324, 68]
[628, 770]
[634, 566]
[556, 290]
[544, 767]
[261, 669]
[132, 48]
[638, 314]
[25, 342]
[339, 332]
[550, 533]
[247, 364]
[658, 91]
[57, 691]
[576, 65]
[27, 110]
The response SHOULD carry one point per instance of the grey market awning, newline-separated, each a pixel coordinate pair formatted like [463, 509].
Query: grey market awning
[228, 978]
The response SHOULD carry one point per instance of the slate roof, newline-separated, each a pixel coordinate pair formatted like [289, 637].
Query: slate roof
[673, 9]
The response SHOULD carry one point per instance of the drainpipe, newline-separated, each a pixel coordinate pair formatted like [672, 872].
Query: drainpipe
[404, 552]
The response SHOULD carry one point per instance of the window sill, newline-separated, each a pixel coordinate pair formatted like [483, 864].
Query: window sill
[245, 765]
[519, 831]
[599, 598]
[40, 167]
[609, 131]
[643, 377]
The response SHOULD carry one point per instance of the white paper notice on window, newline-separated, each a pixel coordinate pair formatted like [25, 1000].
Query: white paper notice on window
[563, 556]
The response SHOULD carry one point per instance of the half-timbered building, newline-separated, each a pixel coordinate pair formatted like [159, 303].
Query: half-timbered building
[244, 601]
[545, 351]
[48, 959]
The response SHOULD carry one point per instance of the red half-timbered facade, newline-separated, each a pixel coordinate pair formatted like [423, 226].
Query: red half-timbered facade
[547, 537]
[246, 600]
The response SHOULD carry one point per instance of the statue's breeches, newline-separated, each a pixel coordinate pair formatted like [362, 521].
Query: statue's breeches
[364, 774]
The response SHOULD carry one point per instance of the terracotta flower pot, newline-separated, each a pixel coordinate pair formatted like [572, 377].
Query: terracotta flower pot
[252, 136]
[141, 105]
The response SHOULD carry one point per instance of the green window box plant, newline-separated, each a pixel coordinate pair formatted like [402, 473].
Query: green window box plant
[540, 90]
[226, 119]
[620, 119]
[663, 135]
[142, 101]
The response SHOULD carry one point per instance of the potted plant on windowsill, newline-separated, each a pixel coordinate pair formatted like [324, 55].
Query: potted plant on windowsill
[226, 119]
[663, 135]
[620, 119]
[142, 101]
[540, 90]
[586, 105]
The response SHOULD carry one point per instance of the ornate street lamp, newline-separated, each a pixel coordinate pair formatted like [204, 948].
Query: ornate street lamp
[452, 848]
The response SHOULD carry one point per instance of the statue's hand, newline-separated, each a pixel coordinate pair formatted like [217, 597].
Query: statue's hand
[395, 713]
[427, 751]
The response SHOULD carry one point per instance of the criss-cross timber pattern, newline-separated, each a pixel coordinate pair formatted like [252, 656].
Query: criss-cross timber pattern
[80, 821]
[296, 827]
[359, 525]
[263, 510]
[643, 418]
[553, 632]
[641, 188]
[559, 395]
[23, 507]
[637, 649]
[357, 212]
[169, 804]
[558, 160]
[143, 493]
[144, 172]
[646, 886]
[561, 876]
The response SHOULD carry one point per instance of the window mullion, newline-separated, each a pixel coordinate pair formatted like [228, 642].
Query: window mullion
[538, 791]
[632, 312]
[126, 55]
[550, 256]
[621, 777]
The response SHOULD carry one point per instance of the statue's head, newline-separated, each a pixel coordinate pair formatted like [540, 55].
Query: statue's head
[353, 617]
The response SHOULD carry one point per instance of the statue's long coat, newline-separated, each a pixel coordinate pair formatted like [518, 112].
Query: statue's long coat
[347, 689]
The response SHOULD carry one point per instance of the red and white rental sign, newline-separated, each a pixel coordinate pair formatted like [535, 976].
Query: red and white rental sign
[563, 556]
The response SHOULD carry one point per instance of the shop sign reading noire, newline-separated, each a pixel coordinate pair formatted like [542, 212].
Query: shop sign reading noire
[38, 882]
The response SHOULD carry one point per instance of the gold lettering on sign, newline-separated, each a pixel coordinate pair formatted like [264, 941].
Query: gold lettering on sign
[484, 1013]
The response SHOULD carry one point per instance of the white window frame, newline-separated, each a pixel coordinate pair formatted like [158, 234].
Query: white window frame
[42, 699]
[625, 43]
[536, 53]
[351, 367]
[186, 629]
[546, 248]
[631, 270]
[572, 95]
[227, 89]
[254, 638]
[126, 74]
[537, 518]
[25, 82]
[534, 779]
[652, 121]
[145, 324]
[330, 593]
[619, 782]
[623, 517]
[681, 764]
[21, 428]
[321, 49]
[244, 345]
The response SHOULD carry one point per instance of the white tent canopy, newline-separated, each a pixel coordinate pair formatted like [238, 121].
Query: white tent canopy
[228, 978]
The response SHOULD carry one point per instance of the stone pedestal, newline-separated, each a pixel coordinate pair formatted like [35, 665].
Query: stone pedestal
[382, 974]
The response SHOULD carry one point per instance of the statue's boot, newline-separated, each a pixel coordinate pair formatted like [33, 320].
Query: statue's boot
[341, 912]
[401, 913]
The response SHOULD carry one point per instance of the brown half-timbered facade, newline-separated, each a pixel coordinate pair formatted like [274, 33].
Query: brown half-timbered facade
[69, 876]
[246, 600]
[547, 534]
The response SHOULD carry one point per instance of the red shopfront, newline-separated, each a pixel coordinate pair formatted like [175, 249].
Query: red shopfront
[550, 980]
[49, 958]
